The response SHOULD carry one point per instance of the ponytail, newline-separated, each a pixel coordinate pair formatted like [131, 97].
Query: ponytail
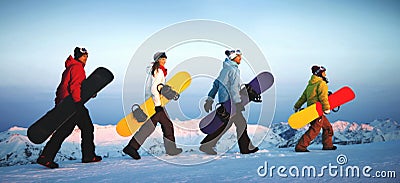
[155, 66]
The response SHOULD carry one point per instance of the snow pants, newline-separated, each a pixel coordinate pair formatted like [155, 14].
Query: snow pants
[313, 131]
[84, 123]
[241, 130]
[148, 128]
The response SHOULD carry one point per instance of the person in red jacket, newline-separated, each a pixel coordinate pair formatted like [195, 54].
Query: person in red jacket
[71, 81]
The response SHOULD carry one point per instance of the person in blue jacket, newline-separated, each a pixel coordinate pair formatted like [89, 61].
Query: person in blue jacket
[227, 85]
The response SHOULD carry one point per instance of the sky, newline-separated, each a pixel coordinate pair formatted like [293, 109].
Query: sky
[357, 41]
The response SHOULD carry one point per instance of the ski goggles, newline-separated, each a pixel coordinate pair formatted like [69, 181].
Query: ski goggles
[320, 70]
[237, 52]
[83, 50]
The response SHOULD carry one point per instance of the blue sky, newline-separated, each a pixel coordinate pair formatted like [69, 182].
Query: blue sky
[357, 41]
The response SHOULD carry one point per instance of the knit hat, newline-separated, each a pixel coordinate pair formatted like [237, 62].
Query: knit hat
[231, 54]
[78, 52]
[317, 70]
[159, 55]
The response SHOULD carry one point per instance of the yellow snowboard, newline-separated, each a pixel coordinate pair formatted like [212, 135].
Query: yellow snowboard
[129, 125]
[312, 112]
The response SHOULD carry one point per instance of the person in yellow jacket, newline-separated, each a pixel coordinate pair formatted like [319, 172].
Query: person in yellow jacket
[316, 91]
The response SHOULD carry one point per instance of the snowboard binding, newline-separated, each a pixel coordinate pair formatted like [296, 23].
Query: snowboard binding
[222, 113]
[252, 94]
[299, 109]
[168, 92]
[338, 107]
[138, 113]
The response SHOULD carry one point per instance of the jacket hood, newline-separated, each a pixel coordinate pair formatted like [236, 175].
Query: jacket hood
[315, 79]
[71, 61]
[229, 63]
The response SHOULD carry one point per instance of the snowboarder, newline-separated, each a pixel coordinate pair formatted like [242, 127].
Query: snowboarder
[158, 74]
[227, 85]
[316, 91]
[71, 81]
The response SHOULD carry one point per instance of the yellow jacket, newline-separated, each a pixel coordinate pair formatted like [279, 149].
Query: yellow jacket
[316, 91]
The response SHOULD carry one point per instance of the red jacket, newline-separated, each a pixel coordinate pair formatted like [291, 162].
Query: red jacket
[71, 81]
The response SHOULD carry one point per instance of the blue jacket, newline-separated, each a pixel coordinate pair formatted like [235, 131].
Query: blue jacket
[228, 83]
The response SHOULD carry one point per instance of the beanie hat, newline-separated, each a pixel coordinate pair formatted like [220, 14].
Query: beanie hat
[231, 54]
[159, 55]
[78, 52]
[317, 70]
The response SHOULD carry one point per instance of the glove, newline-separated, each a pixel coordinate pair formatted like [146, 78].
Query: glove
[208, 104]
[158, 109]
[239, 107]
[327, 111]
[79, 107]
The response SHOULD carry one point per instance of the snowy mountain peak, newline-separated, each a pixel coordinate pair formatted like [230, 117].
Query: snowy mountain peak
[16, 128]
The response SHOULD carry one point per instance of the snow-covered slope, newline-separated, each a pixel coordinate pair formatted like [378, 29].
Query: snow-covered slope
[16, 149]
[231, 167]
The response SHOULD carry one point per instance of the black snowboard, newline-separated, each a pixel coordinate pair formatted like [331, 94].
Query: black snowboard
[39, 131]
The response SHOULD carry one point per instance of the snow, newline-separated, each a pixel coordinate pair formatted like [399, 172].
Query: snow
[231, 167]
[373, 144]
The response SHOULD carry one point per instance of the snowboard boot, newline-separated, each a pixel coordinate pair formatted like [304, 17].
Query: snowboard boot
[329, 148]
[170, 148]
[250, 151]
[92, 160]
[301, 150]
[207, 149]
[132, 152]
[174, 152]
[49, 164]
[245, 145]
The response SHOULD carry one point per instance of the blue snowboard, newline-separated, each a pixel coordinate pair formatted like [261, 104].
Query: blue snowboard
[262, 82]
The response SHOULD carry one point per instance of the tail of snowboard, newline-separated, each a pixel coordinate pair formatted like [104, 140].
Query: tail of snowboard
[312, 112]
[39, 131]
[128, 125]
[261, 83]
